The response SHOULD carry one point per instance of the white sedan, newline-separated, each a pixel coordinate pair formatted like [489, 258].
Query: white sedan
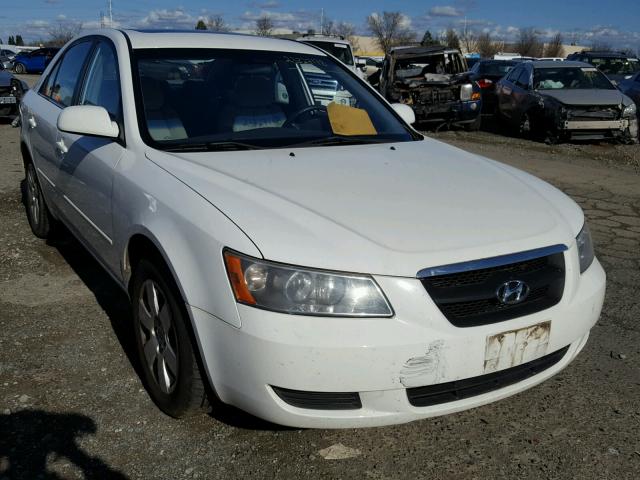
[313, 261]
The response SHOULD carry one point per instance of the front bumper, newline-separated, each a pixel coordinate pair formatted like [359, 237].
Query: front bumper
[457, 113]
[374, 357]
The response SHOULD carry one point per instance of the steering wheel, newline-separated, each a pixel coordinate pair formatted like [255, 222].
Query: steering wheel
[291, 122]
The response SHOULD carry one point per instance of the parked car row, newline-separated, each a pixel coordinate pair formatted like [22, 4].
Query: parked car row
[548, 99]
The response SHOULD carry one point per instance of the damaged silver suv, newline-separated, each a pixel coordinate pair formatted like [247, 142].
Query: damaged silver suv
[556, 101]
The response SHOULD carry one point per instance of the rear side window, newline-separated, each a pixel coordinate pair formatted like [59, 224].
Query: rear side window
[102, 86]
[513, 76]
[47, 87]
[524, 79]
[68, 74]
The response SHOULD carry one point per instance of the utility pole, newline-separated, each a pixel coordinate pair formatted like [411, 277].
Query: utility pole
[110, 14]
[101, 19]
[322, 21]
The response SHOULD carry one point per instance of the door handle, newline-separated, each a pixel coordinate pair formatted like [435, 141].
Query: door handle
[62, 148]
[32, 122]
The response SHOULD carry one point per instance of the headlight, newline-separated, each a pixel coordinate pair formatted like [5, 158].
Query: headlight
[303, 291]
[629, 111]
[585, 248]
[465, 92]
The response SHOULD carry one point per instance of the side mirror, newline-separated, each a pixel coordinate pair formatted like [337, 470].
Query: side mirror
[87, 120]
[406, 112]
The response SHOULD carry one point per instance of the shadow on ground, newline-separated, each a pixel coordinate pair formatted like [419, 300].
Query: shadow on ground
[115, 303]
[31, 438]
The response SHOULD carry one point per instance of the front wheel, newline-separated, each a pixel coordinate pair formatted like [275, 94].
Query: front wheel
[165, 350]
[19, 68]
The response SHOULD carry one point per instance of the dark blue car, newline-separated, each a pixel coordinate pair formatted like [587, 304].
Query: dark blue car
[35, 61]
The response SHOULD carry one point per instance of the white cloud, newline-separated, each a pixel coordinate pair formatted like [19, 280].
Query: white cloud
[166, 19]
[444, 11]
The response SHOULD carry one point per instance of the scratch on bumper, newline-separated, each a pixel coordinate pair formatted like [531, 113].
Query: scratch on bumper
[425, 369]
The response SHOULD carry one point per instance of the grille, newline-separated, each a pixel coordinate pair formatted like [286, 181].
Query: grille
[468, 297]
[320, 400]
[470, 387]
[611, 112]
[4, 91]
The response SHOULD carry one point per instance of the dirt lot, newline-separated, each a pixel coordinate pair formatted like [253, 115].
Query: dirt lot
[72, 405]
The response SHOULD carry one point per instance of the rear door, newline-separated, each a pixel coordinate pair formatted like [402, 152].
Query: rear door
[42, 111]
[87, 167]
[505, 92]
[520, 94]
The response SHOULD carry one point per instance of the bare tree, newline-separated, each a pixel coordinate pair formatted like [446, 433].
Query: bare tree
[555, 46]
[600, 46]
[264, 26]
[486, 47]
[348, 32]
[216, 23]
[451, 39]
[468, 40]
[62, 32]
[529, 44]
[389, 30]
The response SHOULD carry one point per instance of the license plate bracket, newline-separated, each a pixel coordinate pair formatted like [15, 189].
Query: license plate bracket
[514, 347]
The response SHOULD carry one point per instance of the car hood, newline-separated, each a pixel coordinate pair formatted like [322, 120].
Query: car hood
[585, 97]
[389, 209]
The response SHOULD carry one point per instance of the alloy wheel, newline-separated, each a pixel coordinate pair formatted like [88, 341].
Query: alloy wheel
[33, 197]
[158, 336]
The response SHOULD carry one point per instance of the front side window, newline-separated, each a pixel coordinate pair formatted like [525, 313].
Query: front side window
[573, 78]
[66, 80]
[210, 98]
[102, 87]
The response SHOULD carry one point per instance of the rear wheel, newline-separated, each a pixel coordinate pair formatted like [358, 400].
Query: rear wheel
[19, 68]
[474, 126]
[40, 219]
[165, 350]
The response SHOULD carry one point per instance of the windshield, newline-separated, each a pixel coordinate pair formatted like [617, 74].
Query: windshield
[236, 99]
[339, 50]
[616, 66]
[441, 63]
[578, 78]
[496, 68]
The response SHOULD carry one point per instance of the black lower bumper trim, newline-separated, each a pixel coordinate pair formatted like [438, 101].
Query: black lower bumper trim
[319, 400]
[470, 387]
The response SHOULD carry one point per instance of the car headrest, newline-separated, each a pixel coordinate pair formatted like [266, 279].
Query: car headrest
[153, 93]
[254, 91]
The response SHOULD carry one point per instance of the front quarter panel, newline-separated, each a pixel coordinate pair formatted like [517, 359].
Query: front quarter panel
[189, 232]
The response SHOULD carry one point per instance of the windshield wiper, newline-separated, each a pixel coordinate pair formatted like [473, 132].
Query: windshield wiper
[340, 140]
[212, 147]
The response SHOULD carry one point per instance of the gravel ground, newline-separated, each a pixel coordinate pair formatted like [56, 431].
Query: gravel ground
[72, 405]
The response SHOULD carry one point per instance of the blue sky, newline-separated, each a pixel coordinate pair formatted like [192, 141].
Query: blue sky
[616, 22]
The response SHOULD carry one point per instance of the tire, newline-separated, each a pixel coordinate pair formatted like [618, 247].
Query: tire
[40, 219]
[163, 341]
[19, 68]
[475, 125]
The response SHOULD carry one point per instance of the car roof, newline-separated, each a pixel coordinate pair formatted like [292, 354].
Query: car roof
[322, 38]
[204, 39]
[411, 51]
[554, 64]
[604, 54]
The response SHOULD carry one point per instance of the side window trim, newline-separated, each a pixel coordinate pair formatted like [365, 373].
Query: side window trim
[85, 76]
[55, 69]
